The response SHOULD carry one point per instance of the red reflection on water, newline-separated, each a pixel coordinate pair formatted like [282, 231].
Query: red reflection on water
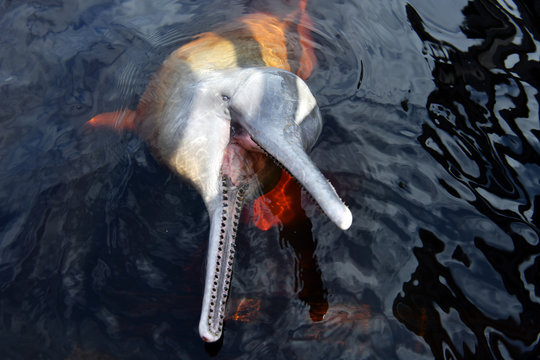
[307, 59]
[281, 205]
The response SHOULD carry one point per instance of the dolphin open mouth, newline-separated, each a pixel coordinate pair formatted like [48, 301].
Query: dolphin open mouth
[247, 169]
[267, 122]
[244, 161]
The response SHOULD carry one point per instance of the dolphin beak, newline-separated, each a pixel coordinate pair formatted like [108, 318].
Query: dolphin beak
[281, 115]
[224, 217]
[299, 165]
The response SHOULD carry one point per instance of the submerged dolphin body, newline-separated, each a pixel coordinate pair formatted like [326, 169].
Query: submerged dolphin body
[221, 112]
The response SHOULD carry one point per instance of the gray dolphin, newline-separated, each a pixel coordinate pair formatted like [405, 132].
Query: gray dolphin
[222, 131]
[221, 112]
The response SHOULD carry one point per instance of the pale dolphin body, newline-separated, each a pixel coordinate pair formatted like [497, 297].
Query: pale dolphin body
[215, 127]
[191, 132]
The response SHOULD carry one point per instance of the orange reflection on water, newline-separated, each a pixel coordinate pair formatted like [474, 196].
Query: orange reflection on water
[246, 310]
[307, 59]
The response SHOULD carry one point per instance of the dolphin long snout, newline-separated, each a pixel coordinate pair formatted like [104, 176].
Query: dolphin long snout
[212, 110]
[281, 115]
[271, 111]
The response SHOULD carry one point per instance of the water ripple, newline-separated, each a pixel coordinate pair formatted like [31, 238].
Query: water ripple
[431, 135]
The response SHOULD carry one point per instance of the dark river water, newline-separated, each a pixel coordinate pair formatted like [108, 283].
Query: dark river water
[431, 136]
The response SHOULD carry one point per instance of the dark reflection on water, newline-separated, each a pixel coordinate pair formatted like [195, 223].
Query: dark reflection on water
[484, 131]
[308, 284]
[431, 136]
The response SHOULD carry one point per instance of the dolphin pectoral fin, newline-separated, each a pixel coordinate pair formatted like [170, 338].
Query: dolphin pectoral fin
[294, 159]
[116, 120]
[223, 226]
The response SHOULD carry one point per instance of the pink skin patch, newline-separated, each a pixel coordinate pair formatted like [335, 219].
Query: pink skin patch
[243, 162]
[243, 159]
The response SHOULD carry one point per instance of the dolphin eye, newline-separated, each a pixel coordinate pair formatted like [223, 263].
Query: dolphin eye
[225, 98]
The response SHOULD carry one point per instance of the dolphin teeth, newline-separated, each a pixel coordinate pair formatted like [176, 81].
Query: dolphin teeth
[232, 203]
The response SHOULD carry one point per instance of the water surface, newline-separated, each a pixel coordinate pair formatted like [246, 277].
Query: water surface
[431, 137]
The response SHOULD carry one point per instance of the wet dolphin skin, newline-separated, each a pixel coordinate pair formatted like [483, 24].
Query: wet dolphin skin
[227, 112]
